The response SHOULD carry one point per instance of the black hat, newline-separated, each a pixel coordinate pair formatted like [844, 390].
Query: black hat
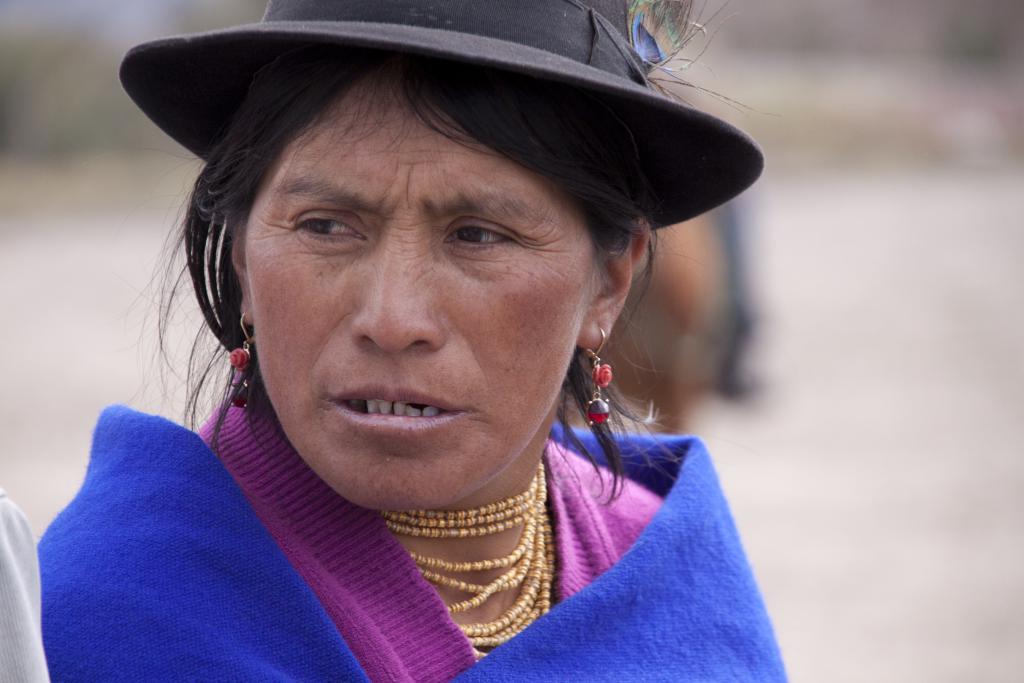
[191, 85]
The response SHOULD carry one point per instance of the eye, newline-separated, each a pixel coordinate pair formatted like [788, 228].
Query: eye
[326, 226]
[475, 234]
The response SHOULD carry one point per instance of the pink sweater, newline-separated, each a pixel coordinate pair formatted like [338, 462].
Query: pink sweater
[392, 619]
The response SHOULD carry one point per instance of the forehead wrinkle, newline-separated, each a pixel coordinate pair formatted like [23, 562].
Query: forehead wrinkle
[483, 203]
[320, 190]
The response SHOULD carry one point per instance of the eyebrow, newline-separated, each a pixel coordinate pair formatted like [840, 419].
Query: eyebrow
[485, 202]
[320, 190]
[481, 201]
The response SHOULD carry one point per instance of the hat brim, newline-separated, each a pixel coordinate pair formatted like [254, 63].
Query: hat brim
[191, 86]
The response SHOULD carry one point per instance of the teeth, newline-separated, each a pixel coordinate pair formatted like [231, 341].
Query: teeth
[400, 408]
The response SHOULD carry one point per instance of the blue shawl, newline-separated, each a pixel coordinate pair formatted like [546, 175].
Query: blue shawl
[160, 570]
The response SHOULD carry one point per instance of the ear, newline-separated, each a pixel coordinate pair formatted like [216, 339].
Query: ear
[238, 262]
[612, 290]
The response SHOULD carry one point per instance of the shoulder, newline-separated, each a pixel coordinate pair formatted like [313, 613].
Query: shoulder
[683, 581]
[144, 471]
[159, 564]
[595, 528]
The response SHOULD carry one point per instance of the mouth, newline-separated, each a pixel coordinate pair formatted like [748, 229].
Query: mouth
[374, 406]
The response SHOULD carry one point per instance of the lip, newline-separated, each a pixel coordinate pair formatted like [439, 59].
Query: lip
[376, 425]
[393, 394]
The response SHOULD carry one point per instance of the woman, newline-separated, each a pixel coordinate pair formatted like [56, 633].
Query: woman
[415, 226]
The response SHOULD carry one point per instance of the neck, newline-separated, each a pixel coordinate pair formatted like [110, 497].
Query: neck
[470, 550]
[492, 564]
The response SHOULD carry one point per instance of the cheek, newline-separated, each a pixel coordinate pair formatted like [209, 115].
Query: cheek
[536, 322]
[289, 300]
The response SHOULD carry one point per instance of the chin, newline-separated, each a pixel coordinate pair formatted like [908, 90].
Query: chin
[386, 464]
[386, 480]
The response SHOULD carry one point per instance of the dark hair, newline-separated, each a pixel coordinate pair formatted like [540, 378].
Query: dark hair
[559, 132]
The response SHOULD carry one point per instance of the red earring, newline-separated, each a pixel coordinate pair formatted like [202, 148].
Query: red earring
[598, 409]
[240, 359]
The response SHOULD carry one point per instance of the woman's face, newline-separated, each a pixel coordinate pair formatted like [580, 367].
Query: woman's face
[385, 265]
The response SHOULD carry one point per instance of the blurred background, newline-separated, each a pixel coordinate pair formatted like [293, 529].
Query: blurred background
[871, 433]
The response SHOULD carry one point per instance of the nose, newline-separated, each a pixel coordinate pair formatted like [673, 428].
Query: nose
[399, 304]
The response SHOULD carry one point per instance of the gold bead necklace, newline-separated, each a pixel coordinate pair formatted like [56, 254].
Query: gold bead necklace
[529, 567]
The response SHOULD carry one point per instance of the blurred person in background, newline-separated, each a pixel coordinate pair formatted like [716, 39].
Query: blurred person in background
[21, 642]
[411, 234]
